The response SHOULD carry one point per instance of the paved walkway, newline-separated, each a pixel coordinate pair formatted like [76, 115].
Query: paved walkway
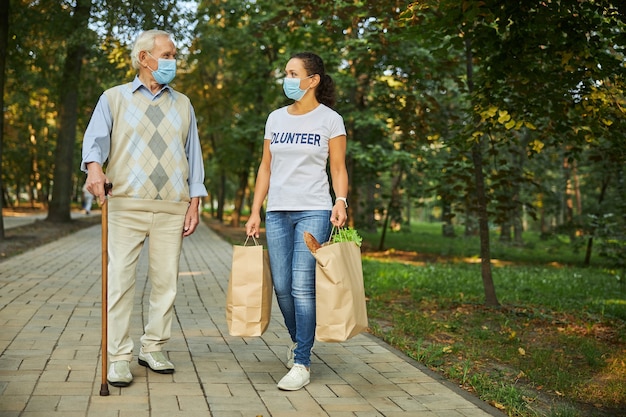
[50, 350]
[17, 219]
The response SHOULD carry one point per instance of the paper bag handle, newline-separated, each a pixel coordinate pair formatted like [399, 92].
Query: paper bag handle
[336, 230]
[256, 243]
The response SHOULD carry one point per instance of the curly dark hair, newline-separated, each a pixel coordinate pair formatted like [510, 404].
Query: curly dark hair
[313, 64]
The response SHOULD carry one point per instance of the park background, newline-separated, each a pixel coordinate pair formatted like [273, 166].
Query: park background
[487, 146]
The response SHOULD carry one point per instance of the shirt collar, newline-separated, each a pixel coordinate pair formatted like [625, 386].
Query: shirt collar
[137, 85]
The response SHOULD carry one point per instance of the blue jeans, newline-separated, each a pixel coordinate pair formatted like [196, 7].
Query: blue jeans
[293, 271]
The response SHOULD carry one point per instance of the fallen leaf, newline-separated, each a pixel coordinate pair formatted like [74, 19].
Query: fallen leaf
[498, 405]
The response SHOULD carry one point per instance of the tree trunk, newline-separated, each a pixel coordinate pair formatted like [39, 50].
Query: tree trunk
[59, 210]
[543, 222]
[4, 40]
[353, 195]
[240, 196]
[221, 196]
[605, 184]
[517, 211]
[568, 203]
[518, 229]
[393, 204]
[447, 228]
[505, 232]
[483, 227]
[362, 211]
[481, 198]
[408, 208]
[471, 228]
[577, 194]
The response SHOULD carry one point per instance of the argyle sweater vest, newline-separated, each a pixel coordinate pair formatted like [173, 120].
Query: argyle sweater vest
[147, 158]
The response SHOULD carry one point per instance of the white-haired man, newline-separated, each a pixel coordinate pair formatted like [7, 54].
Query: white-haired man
[146, 135]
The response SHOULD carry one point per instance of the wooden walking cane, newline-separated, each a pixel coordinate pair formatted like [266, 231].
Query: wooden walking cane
[104, 386]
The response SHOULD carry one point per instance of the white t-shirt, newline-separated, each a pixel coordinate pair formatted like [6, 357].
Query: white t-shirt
[299, 148]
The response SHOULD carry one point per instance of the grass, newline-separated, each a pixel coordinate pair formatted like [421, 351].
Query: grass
[537, 249]
[555, 347]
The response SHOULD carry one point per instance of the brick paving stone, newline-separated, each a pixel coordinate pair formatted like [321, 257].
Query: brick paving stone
[54, 413]
[73, 402]
[50, 350]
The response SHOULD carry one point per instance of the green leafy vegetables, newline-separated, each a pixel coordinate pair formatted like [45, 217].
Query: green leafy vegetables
[347, 234]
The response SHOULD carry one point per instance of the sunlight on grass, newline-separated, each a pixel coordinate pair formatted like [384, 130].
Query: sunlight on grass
[427, 238]
[559, 334]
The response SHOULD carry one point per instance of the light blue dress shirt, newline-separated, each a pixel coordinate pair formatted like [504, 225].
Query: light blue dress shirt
[97, 139]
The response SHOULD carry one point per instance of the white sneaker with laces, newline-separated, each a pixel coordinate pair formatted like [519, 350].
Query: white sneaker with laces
[296, 378]
[291, 355]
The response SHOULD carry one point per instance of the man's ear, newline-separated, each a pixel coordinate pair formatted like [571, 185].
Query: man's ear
[142, 58]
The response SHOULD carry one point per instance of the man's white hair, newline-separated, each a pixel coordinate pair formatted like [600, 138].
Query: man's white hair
[145, 42]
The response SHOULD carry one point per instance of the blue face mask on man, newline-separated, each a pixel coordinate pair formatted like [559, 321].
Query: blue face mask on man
[165, 72]
[291, 87]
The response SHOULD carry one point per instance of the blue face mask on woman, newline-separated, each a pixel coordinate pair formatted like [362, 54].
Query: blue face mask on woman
[291, 87]
[166, 70]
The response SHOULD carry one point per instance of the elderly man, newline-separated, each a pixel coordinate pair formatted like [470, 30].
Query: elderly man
[146, 133]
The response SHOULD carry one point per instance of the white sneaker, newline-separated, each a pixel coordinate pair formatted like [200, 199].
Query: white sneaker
[291, 355]
[295, 379]
[119, 374]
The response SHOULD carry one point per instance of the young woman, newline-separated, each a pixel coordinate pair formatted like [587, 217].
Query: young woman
[300, 140]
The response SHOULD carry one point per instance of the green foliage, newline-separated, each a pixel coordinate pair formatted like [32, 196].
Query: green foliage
[347, 234]
[514, 49]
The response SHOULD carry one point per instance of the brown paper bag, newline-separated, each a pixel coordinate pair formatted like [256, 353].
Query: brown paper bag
[340, 295]
[249, 297]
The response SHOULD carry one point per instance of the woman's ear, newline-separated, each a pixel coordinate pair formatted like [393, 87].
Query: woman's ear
[317, 80]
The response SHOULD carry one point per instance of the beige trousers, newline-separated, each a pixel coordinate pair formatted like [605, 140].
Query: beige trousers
[132, 223]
